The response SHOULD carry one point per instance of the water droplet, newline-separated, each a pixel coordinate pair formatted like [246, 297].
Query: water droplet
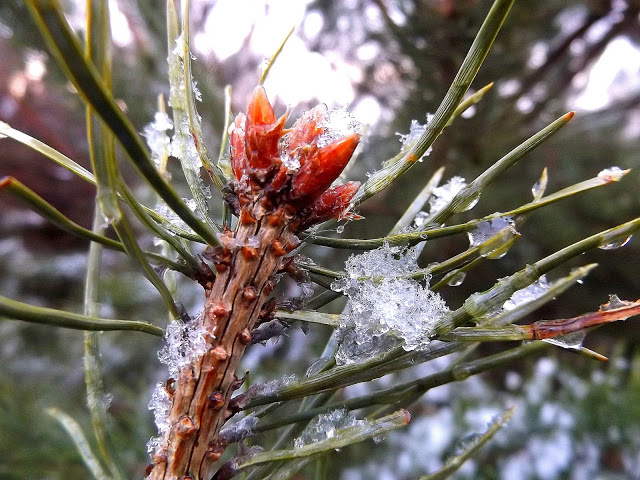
[340, 229]
[494, 237]
[570, 341]
[456, 279]
[535, 190]
[612, 245]
[468, 203]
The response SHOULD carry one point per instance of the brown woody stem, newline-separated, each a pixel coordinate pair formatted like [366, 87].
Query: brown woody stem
[203, 389]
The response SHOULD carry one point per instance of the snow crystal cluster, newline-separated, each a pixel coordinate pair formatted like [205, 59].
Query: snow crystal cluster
[327, 426]
[338, 123]
[443, 195]
[415, 131]
[160, 404]
[271, 386]
[184, 343]
[156, 135]
[384, 309]
[183, 147]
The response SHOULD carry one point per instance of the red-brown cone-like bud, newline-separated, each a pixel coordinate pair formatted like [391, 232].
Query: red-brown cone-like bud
[263, 133]
[320, 170]
[331, 204]
[260, 111]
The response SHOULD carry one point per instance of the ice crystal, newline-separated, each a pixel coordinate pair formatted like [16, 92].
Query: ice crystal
[196, 92]
[415, 131]
[160, 405]
[184, 343]
[164, 211]
[154, 445]
[612, 174]
[272, 386]
[527, 294]
[240, 430]
[177, 49]
[443, 195]
[157, 139]
[338, 123]
[384, 309]
[184, 148]
[327, 426]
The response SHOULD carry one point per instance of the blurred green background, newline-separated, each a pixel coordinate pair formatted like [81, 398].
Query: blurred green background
[391, 61]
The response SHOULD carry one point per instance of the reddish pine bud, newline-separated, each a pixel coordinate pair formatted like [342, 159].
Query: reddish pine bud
[331, 204]
[315, 176]
[260, 111]
[262, 134]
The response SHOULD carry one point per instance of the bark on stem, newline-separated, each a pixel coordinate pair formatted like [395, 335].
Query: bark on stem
[204, 388]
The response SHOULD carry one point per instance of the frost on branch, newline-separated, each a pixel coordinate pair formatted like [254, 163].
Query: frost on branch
[327, 426]
[384, 310]
[185, 342]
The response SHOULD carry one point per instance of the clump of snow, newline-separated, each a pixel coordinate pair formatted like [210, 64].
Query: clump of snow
[415, 131]
[527, 294]
[327, 426]
[157, 139]
[160, 405]
[154, 445]
[337, 123]
[443, 195]
[184, 343]
[384, 309]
